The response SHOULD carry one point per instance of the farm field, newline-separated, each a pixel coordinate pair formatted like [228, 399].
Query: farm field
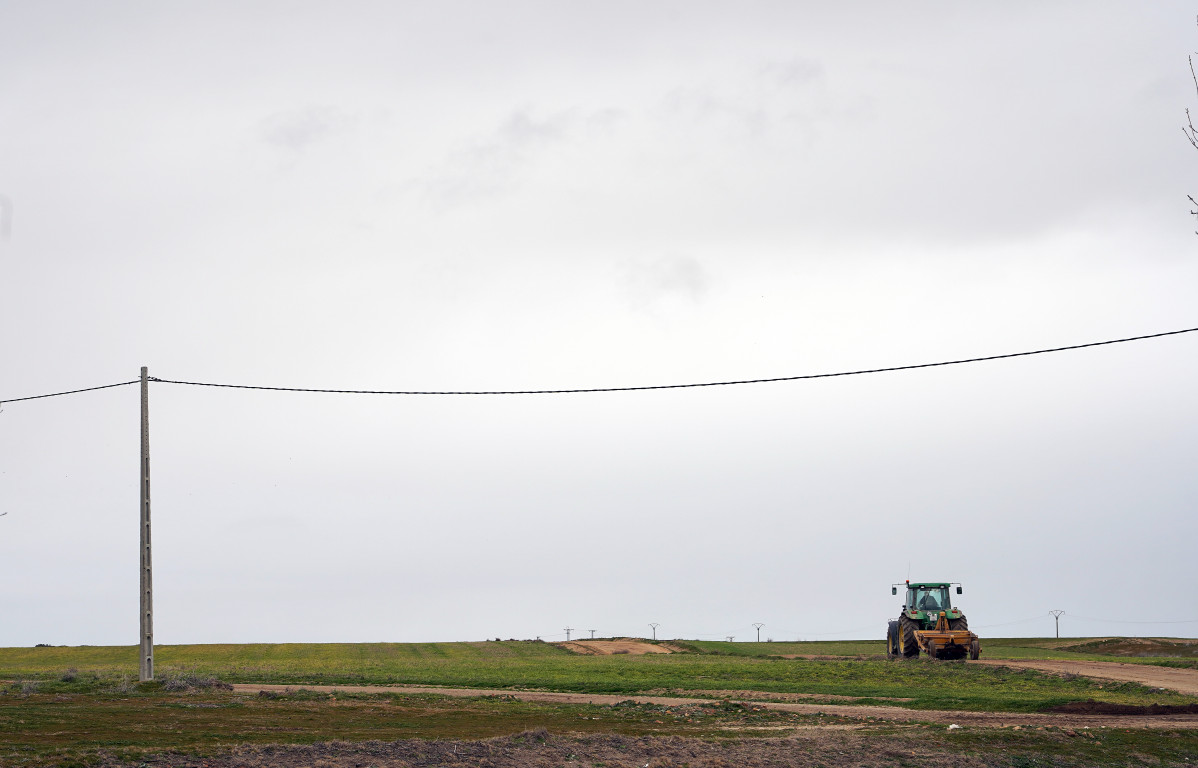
[1161, 651]
[75, 706]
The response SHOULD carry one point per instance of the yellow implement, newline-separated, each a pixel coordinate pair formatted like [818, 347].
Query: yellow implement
[940, 642]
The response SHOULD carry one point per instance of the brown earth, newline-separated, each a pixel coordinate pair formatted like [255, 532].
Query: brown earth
[823, 748]
[621, 646]
[989, 719]
[1172, 678]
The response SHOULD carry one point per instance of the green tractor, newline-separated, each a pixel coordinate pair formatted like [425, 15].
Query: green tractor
[930, 623]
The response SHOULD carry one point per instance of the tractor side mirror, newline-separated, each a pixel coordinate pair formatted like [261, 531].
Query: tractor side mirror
[894, 590]
[958, 590]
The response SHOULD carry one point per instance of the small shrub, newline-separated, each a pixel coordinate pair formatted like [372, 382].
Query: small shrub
[536, 734]
[70, 675]
[191, 681]
[29, 686]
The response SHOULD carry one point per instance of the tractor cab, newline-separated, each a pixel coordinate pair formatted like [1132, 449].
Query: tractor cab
[928, 597]
[925, 601]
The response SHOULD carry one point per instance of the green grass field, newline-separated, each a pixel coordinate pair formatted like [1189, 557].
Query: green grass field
[75, 706]
[713, 668]
[1159, 651]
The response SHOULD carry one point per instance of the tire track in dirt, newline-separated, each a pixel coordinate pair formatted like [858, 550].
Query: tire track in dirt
[1180, 680]
[985, 719]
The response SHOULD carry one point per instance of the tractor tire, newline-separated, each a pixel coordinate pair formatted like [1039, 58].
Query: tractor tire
[975, 650]
[961, 623]
[907, 645]
[892, 638]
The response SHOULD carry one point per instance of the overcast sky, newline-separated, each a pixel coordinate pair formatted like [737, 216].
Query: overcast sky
[543, 195]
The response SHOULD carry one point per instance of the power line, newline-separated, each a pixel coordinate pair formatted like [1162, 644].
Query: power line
[1126, 621]
[68, 392]
[641, 388]
[678, 386]
[1017, 621]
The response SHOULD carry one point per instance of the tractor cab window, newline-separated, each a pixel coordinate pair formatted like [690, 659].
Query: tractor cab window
[932, 599]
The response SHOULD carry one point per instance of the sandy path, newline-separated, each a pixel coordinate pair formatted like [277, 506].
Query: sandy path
[989, 719]
[1180, 680]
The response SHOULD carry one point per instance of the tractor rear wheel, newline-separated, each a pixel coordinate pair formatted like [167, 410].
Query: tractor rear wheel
[907, 645]
[961, 623]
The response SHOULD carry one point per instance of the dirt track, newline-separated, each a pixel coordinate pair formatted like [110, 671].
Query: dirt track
[1180, 680]
[609, 647]
[991, 719]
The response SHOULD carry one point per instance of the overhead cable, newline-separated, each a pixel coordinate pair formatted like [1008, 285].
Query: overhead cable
[68, 392]
[641, 388]
[1127, 621]
[674, 386]
[1018, 621]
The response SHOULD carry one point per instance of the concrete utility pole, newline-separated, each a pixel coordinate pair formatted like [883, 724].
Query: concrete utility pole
[758, 625]
[1057, 615]
[146, 670]
[5, 217]
[568, 631]
[654, 625]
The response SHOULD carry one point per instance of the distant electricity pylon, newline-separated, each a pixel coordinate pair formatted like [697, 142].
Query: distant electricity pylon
[592, 633]
[729, 637]
[654, 625]
[758, 625]
[568, 631]
[1057, 616]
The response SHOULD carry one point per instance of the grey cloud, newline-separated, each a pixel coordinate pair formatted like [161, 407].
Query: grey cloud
[523, 130]
[779, 90]
[300, 128]
[794, 72]
[648, 282]
[487, 166]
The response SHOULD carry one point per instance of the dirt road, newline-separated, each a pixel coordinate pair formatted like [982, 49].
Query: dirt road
[1180, 680]
[990, 719]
